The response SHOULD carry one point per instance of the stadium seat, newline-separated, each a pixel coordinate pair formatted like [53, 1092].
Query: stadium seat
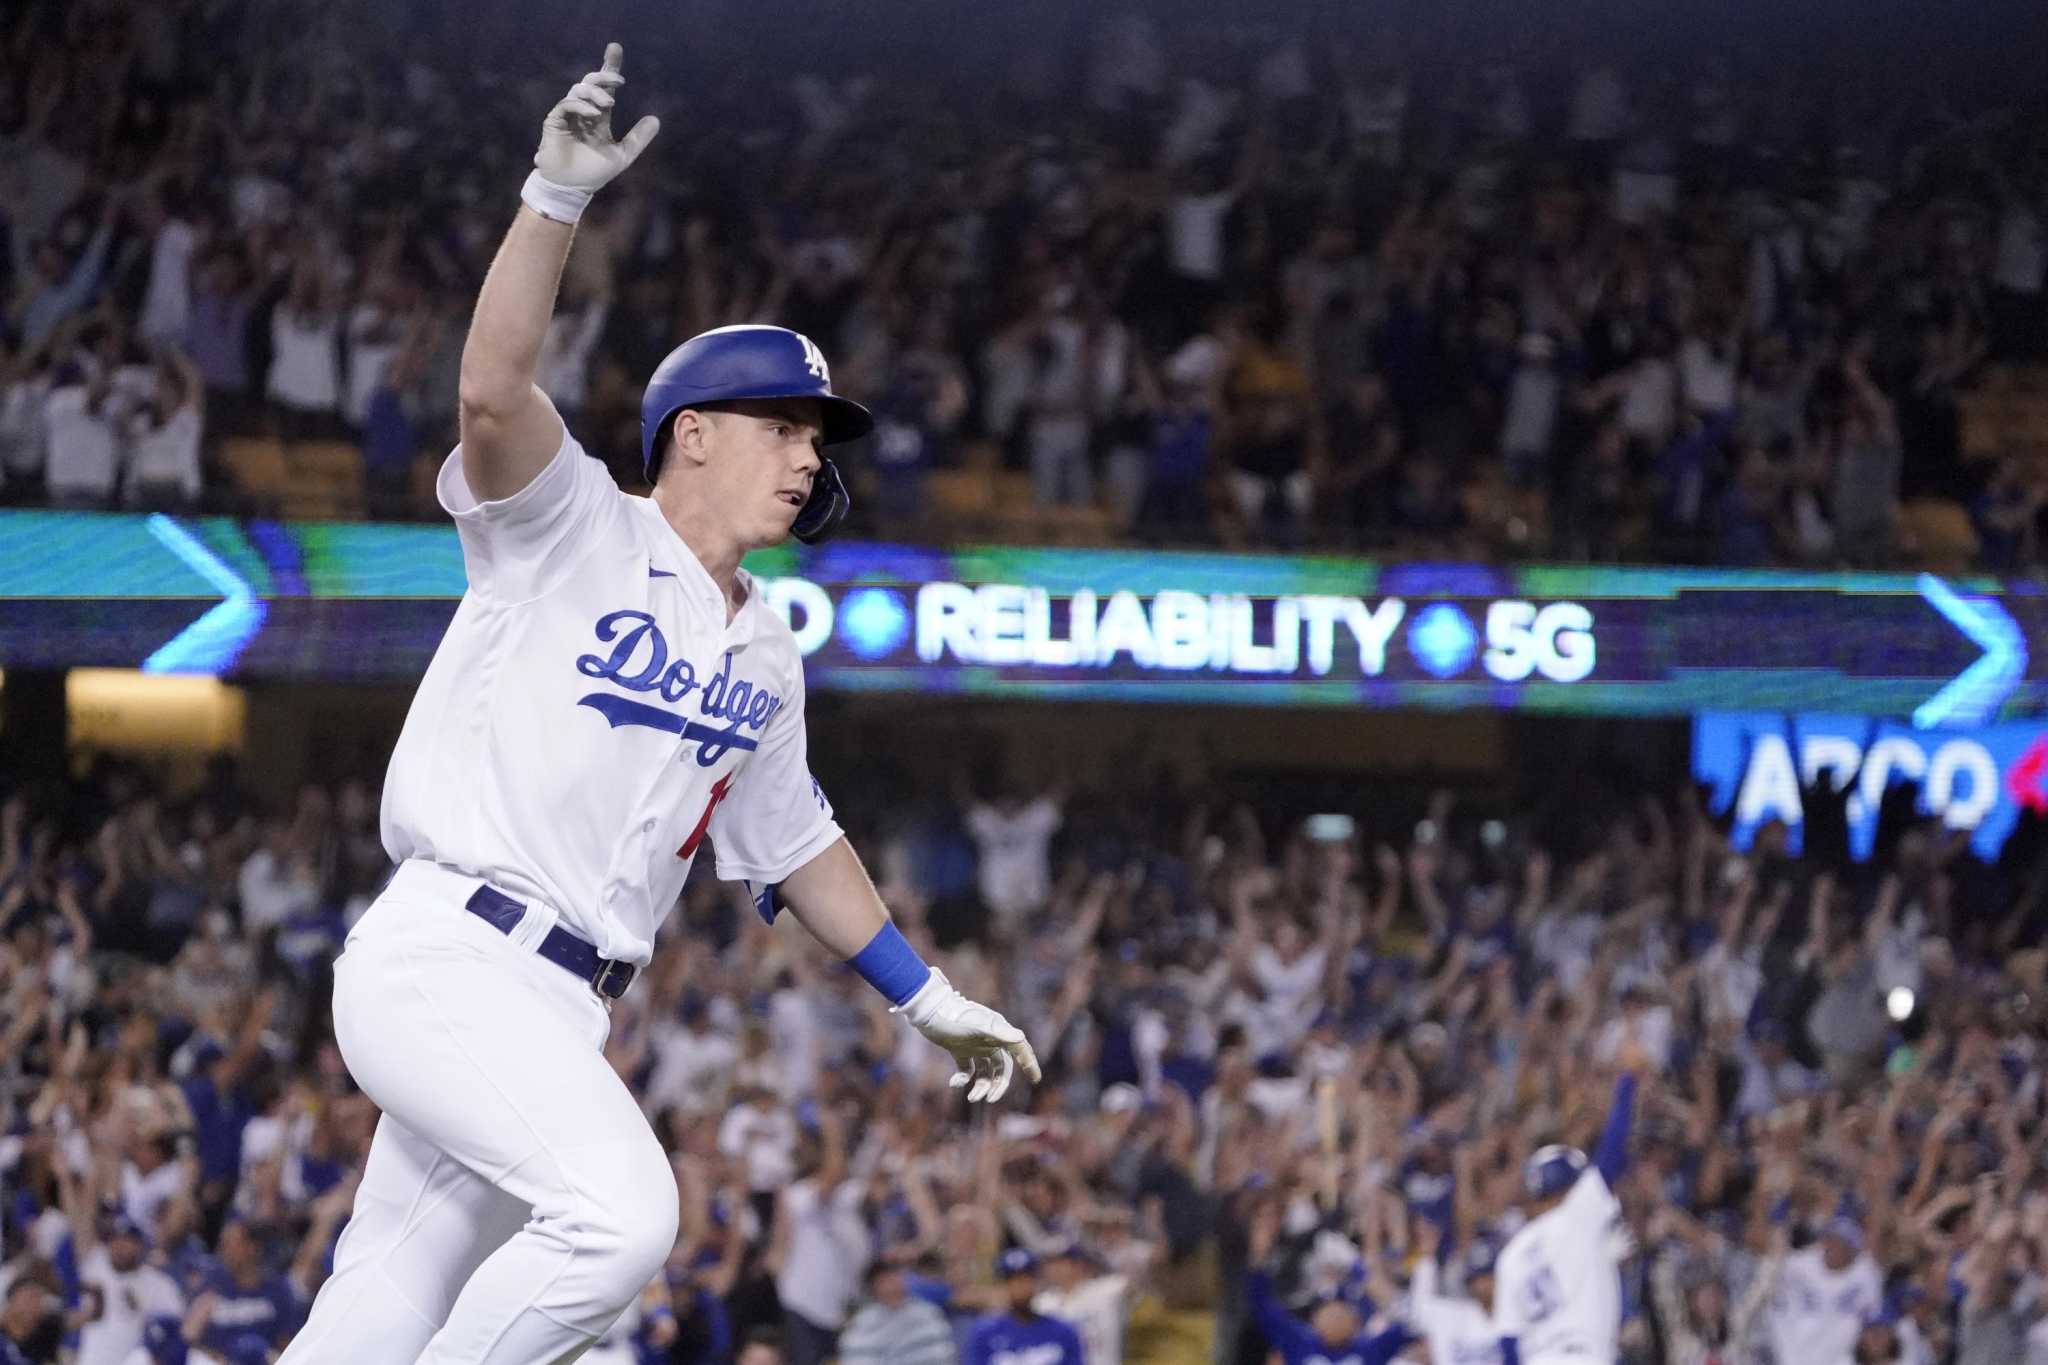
[257, 466]
[1009, 490]
[961, 495]
[2006, 413]
[1940, 534]
[426, 468]
[326, 479]
[1160, 1335]
[1087, 525]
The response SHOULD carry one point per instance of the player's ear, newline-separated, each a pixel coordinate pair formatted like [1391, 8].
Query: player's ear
[686, 436]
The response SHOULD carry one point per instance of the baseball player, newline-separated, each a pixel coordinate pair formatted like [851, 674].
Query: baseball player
[613, 690]
[1557, 1292]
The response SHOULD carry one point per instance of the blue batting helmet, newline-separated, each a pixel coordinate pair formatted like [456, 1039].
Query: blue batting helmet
[1552, 1170]
[728, 363]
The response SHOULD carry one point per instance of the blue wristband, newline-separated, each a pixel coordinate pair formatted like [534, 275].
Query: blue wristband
[891, 965]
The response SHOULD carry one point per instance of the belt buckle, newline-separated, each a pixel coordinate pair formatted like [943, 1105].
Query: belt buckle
[604, 978]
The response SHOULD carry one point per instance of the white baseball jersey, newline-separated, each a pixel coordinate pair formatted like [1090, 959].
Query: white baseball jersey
[591, 716]
[1816, 1314]
[1557, 1288]
[1456, 1331]
[128, 1300]
[1098, 1309]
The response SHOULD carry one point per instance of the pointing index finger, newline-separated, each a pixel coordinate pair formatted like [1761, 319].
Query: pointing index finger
[613, 56]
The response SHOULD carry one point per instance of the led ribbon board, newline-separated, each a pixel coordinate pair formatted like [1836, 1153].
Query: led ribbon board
[1761, 768]
[368, 601]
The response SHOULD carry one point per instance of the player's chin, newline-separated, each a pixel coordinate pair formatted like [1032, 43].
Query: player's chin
[779, 520]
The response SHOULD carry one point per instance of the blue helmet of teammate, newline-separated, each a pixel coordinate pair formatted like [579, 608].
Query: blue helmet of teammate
[1552, 1170]
[730, 363]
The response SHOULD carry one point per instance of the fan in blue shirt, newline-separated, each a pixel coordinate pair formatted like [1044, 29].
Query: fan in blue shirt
[1333, 1334]
[1021, 1336]
[244, 1306]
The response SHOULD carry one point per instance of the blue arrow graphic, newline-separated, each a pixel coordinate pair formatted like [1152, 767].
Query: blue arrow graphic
[210, 644]
[1974, 695]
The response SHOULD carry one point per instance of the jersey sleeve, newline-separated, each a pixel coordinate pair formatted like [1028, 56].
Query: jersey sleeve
[777, 818]
[1591, 1207]
[522, 547]
[1511, 1293]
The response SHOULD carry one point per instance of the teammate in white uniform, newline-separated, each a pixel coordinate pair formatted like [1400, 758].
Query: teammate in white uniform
[1557, 1294]
[612, 690]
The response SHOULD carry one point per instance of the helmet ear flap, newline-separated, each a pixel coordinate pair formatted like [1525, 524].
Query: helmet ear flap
[825, 508]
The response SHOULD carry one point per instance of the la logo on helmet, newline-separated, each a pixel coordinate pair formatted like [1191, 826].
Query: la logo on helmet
[814, 360]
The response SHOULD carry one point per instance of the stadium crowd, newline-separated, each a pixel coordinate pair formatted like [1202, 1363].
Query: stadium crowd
[1230, 284]
[1293, 1069]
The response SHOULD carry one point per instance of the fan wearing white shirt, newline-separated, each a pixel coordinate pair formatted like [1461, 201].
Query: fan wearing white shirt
[1456, 1330]
[1093, 1301]
[152, 1178]
[1197, 216]
[819, 1249]
[1824, 1295]
[167, 300]
[122, 1291]
[164, 433]
[1013, 838]
[693, 1063]
[276, 881]
[305, 363]
[80, 426]
[760, 1131]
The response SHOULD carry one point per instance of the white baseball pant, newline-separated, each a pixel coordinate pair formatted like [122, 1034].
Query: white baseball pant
[515, 1200]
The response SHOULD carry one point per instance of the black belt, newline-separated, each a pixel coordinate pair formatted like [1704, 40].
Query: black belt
[607, 976]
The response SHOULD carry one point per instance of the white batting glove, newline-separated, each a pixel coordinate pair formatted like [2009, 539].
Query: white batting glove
[985, 1046]
[577, 152]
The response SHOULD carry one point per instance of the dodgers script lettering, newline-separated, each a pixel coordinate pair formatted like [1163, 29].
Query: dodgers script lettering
[639, 662]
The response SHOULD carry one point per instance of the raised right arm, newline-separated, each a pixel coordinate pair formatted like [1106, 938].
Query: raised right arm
[509, 428]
